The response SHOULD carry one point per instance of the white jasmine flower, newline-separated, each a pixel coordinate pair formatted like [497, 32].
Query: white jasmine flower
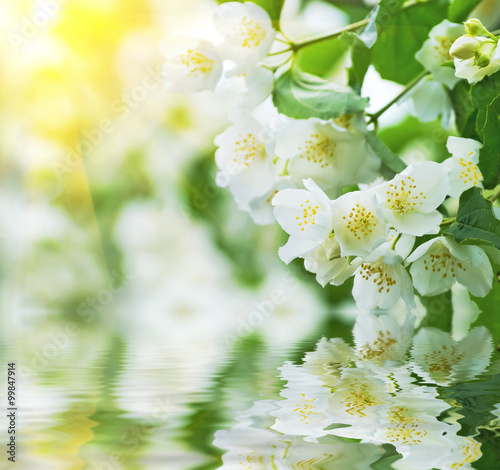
[246, 86]
[358, 223]
[436, 51]
[245, 159]
[328, 264]
[440, 262]
[382, 280]
[306, 215]
[443, 360]
[247, 31]
[192, 65]
[329, 154]
[261, 208]
[410, 199]
[429, 100]
[305, 408]
[464, 172]
[381, 338]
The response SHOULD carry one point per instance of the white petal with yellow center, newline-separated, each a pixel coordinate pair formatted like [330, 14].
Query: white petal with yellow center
[464, 172]
[358, 223]
[247, 31]
[440, 262]
[410, 199]
[192, 65]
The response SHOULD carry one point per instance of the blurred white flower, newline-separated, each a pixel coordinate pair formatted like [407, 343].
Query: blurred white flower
[246, 86]
[247, 31]
[192, 65]
[245, 159]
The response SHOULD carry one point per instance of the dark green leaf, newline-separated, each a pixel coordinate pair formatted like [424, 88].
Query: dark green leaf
[476, 222]
[401, 34]
[465, 111]
[489, 155]
[459, 10]
[360, 61]
[486, 90]
[388, 157]
[303, 96]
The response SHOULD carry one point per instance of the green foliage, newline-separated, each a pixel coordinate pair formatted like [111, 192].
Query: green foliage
[489, 155]
[302, 96]
[459, 10]
[388, 157]
[476, 222]
[361, 56]
[402, 31]
[465, 110]
[321, 58]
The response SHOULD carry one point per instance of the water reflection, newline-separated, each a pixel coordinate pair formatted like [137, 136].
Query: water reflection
[394, 400]
[391, 398]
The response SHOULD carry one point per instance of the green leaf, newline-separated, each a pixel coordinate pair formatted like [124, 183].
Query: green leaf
[388, 157]
[360, 60]
[489, 155]
[487, 100]
[402, 33]
[476, 222]
[273, 7]
[465, 111]
[303, 96]
[485, 91]
[459, 10]
[321, 58]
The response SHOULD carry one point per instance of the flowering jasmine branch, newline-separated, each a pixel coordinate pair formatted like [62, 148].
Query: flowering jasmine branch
[447, 221]
[374, 117]
[294, 47]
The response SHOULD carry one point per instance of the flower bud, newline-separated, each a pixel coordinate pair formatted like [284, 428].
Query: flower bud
[332, 248]
[464, 47]
[483, 56]
[474, 27]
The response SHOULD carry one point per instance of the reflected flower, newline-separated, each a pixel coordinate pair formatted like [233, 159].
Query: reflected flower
[305, 408]
[442, 360]
[381, 339]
